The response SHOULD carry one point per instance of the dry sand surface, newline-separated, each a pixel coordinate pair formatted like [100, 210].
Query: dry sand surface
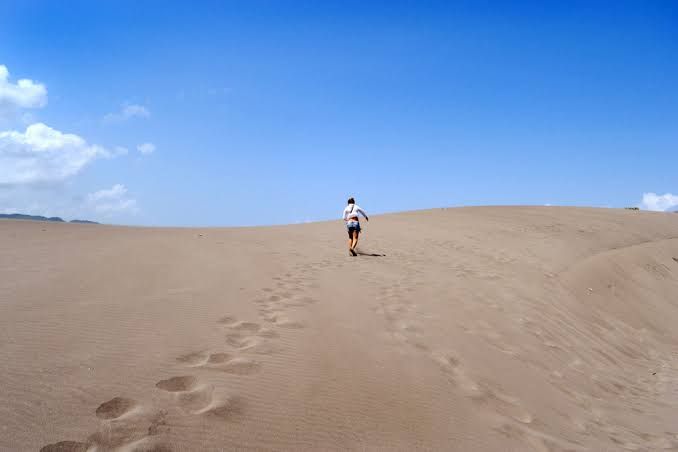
[494, 328]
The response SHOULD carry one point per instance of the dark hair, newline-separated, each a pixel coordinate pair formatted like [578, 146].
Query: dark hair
[351, 201]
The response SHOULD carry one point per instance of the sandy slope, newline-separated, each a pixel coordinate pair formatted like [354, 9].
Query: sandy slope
[498, 328]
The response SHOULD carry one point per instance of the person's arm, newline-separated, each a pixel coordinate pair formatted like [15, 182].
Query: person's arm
[362, 212]
[344, 214]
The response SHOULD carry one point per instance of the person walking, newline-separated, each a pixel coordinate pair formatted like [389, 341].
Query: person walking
[351, 217]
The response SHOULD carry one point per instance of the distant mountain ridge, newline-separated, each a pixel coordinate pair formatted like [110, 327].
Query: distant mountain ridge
[21, 216]
[84, 222]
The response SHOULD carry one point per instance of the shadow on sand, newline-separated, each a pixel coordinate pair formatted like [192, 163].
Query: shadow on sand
[370, 254]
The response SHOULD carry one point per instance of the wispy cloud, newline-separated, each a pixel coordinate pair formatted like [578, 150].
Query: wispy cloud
[102, 205]
[146, 148]
[119, 151]
[111, 201]
[659, 203]
[42, 154]
[127, 111]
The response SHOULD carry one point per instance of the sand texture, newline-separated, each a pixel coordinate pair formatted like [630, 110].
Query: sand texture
[489, 328]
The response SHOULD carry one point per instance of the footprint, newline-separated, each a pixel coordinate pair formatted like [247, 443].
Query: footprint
[245, 327]
[196, 399]
[230, 409]
[268, 333]
[227, 320]
[271, 316]
[506, 405]
[255, 344]
[240, 366]
[217, 358]
[409, 327]
[240, 342]
[158, 424]
[267, 310]
[451, 365]
[177, 384]
[279, 319]
[115, 408]
[193, 359]
[264, 348]
[66, 446]
[285, 322]
[303, 301]
[420, 345]
[308, 300]
[495, 401]
[199, 359]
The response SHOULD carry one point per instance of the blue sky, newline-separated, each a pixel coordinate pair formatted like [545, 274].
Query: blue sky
[275, 112]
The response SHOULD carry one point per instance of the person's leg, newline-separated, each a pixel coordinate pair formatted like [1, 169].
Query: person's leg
[355, 239]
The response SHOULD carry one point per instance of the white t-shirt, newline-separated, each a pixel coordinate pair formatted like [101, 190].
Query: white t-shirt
[351, 212]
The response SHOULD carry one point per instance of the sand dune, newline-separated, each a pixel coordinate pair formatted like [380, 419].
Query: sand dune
[494, 328]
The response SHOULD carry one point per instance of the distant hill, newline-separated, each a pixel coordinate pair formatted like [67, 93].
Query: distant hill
[21, 216]
[83, 222]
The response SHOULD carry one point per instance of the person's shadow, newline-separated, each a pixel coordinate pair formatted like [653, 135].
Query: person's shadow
[370, 254]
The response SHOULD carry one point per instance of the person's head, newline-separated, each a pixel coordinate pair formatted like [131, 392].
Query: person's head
[351, 201]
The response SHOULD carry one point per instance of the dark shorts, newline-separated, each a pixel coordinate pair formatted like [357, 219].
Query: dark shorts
[352, 226]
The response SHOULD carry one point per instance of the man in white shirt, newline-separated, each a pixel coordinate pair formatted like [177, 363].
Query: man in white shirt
[350, 216]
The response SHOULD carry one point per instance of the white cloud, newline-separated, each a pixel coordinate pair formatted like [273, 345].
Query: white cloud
[115, 192]
[128, 111]
[43, 155]
[25, 93]
[112, 200]
[659, 203]
[146, 148]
